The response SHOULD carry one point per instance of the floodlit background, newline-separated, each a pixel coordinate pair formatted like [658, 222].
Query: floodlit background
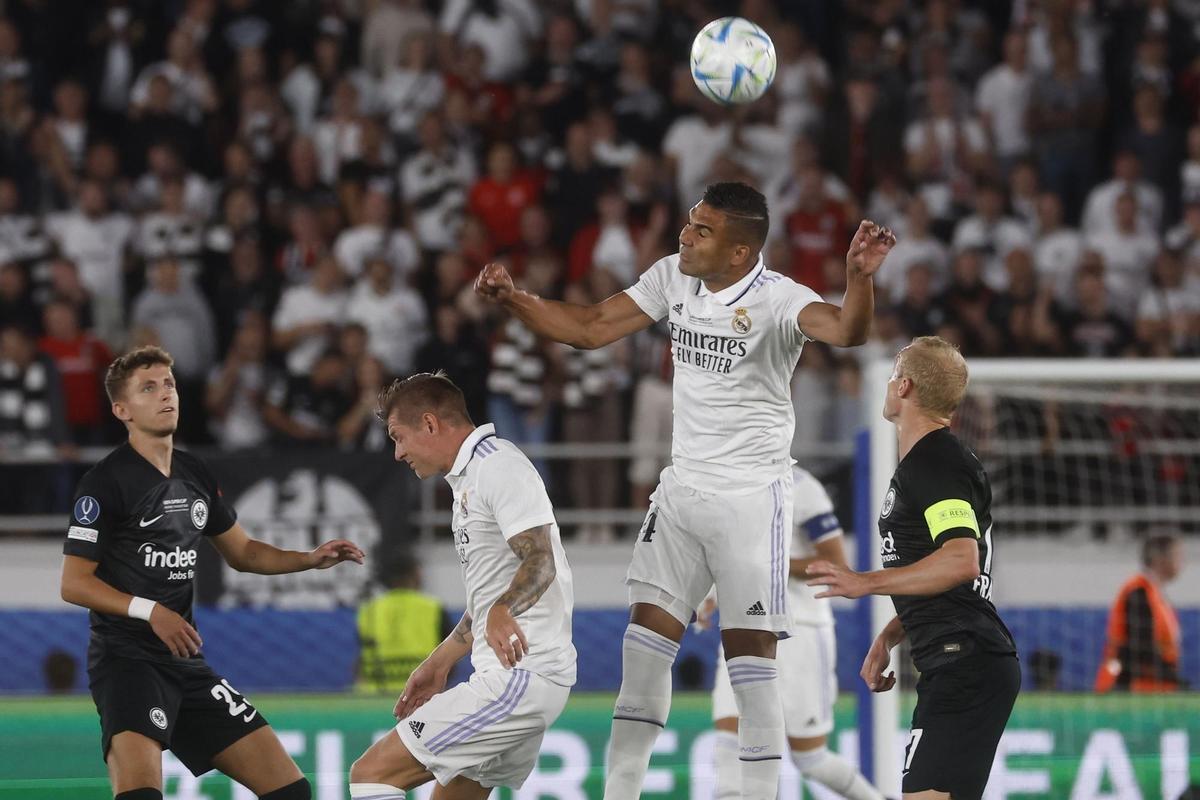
[294, 198]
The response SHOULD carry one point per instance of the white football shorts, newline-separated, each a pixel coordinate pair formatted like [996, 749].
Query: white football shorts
[807, 667]
[693, 539]
[488, 729]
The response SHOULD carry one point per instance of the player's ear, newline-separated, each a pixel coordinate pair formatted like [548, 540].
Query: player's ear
[741, 254]
[120, 411]
[430, 423]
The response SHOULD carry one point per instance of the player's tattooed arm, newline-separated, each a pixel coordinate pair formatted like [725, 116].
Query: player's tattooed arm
[462, 631]
[535, 573]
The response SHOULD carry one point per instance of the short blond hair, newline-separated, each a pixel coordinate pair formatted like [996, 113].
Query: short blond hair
[938, 372]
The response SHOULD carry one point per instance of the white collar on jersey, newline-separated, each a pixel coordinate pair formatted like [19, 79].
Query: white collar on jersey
[731, 294]
[468, 447]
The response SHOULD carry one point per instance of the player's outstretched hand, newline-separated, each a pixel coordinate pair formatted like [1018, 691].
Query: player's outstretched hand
[877, 660]
[869, 247]
[176, 633]
[505, 636]
[424, 682]
[494, 284]
[335, 552]
[838, 581]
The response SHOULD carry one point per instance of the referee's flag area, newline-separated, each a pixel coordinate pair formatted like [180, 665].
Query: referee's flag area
[1058, 745]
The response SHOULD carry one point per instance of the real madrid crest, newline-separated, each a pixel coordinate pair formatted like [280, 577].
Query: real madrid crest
[741, 320]
[462, 503]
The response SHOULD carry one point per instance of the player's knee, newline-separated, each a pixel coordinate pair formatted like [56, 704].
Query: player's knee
[300, 790]
[363, 770]
[146, 793]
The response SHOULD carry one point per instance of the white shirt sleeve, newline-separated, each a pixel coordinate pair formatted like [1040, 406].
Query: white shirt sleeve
[650, 291]
[513, 490]
[788, 299]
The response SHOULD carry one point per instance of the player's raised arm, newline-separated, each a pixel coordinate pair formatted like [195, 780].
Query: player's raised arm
[533, 577]
[586, 327]
[849, 325]
[250, 555]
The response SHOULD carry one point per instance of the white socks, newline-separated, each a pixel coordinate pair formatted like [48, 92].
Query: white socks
[760, 724]
[375, 791]
[729, 770]
[830, 771]
[641, 710]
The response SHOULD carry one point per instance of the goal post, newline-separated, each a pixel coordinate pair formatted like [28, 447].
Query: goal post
[1103, 448]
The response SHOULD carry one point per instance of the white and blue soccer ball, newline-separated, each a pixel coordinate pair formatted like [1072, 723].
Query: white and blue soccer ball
[733, 61]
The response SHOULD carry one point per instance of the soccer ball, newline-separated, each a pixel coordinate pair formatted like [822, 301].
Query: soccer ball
[733, 61]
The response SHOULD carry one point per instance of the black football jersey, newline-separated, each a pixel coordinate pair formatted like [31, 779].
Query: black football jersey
[940, 492]
[143, 530]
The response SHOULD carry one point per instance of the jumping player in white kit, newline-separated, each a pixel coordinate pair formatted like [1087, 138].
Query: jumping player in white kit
[807, 661]
[721, 512]
[517, 627]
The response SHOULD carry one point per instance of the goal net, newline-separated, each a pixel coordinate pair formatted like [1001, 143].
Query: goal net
[1087, 459]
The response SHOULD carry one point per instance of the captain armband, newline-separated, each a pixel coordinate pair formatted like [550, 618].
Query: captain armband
[950, 514]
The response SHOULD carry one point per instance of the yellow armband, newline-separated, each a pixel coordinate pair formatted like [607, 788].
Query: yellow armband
[948, 514]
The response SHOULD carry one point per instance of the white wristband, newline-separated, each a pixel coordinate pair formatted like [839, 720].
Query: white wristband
[140, 608]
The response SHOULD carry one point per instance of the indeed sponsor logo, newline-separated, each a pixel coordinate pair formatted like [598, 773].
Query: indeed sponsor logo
[177, 559]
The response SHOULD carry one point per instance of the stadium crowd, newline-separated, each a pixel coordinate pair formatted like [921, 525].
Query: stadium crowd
[294, 198]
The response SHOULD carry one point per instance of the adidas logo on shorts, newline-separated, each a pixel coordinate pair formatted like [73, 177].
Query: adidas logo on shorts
[756, 610]
[416, 728]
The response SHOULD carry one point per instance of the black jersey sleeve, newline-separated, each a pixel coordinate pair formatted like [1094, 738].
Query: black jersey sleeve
[95, 514]
[221, 515]
[946, 494]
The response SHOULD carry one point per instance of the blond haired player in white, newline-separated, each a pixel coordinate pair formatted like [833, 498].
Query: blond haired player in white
[720, 512]
[807, 660]
[517, 627]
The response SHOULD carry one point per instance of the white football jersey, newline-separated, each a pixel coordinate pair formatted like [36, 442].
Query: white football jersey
[814, 521]
[734, 354]
[498, 494]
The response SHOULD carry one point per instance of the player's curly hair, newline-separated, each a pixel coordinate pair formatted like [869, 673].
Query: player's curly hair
[431, 392]
[745, 207]
[120, 370]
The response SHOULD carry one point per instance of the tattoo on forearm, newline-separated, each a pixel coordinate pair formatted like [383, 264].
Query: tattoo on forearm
[462, 631]
[535, 573]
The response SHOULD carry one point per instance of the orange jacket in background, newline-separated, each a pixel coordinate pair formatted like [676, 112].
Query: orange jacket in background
[1136, 659]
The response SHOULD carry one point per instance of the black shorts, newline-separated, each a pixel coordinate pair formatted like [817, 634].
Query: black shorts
[190, 710]
[961, 712]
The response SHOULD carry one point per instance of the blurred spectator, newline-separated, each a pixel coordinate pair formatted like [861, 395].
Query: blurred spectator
[1057, 248]
[243, 287]
[802, 78]
[307, 314]
[943, 148]
[593, 413]
[503, 28]
[338, 135]
[434, 184]
[171, 231]
[1168, 312]
[359, 428]
[1102, 201]
[639, 108]
[59, 669]
[501, 195]
[388, 29]
[375, 236]
[992, 233]
[1064, 114]
[21, 236]
[521, 387]
[16, 301]
[1020, 312]
[96, 240]
[859, 140]
[392, 315]
[555, 82]
[916, 310]
[1189, 170]
[650, 418]
[166, 166]
[1185, 237]
[610, 243]
[1158, 145]
[966, 301]
[305, 246]
[81, 360]
[817, 228]
[572, 188]
[236, 388]
[397, 629]
[306, 409]
[179, 315]
[457, 348]
[411, 87]
[1002, 100]
[915, 246]
[693, 142]
[1023, 192]
[1128, 250]
[194, 94]
[1092, 328]
[1143, 643]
